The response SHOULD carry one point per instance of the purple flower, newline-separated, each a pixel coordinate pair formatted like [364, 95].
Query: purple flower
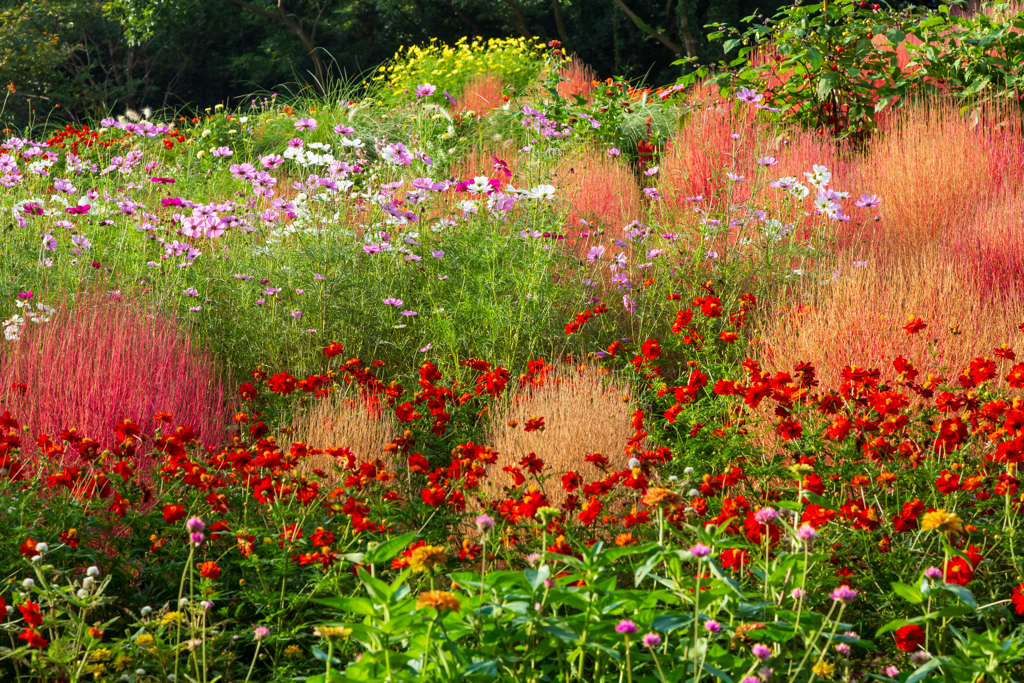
[749, 96]
[49, 242]
[614, 152]
[296, 314]
[751, 679]
[437, 253]
[712, 626]
[767, 161]
[626, 627]
[391, 301]
[451, 100]
[222, 152]
[868, 201]
[194, 524]
[426, 348]
[425, 90]
[765, 515]
[197, 539]
[305, 124]
[762, 652]
[341, 129]
[700, 551]
[409, 313]
[843, 594]
[798, 593]
[484, 523]
[933, 573]
[843, 649]
[78, 210]
[260, 633]
[806, 533]
[652, 640]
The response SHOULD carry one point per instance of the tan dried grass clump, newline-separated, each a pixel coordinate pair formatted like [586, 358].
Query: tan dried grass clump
[344, 422]
[584, 412]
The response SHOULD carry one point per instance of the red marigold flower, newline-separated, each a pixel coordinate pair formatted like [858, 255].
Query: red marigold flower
[333, 349]
[571, 481]
[406, 412]
[534, 424]
[30, 612]
[28, 548]
[914, 325]
[208, 570]
[1016, 377]
[283, 383]
[1018, 598]
[33, 639]
[591, 509]
[650, 349]
[173, 513]
[947, 482]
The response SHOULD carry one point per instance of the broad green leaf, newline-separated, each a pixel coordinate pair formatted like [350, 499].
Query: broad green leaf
[827, 83]
[923, 671]
[730, 45]
[389, 549]
[909, 593]
[895, 36]
[361, 606]
[537, 577]
[666, 623]
[962, 592]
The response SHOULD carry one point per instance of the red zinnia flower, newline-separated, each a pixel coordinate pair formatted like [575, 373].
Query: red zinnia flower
[910, 638]
[30, 611]
[1018, 598]
[33, 639]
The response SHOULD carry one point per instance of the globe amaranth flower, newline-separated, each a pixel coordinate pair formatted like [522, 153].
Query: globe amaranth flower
[700, 551]
[762, 652]
[712, 626]
[843, 594]
[626, 627]
[484, 523]
[652, 640]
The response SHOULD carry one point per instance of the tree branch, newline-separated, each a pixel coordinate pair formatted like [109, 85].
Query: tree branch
[520, 21]
[560, 24]
[643, 26]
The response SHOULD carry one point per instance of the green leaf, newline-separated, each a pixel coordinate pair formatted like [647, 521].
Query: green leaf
[666, 623]
[322, 678]
[924, 670]
[361, 606]
[965, 595]
[954, 611]
[895, 36]
[717, 673]
[389, 549]
[909, 593]
[730, 45]
[378, 590]
[643, 570]
[487, 668]
[537, 577]
[815, 58]
[322, 656]
[818, 500]
[827, 83]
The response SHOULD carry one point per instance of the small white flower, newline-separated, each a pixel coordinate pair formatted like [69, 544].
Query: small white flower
[693, 493]
[688, 470]
[146, 610]
[93, 571]
[88, 582]
[543, 192]
[82, 593]
[182, 602]
[29, 584]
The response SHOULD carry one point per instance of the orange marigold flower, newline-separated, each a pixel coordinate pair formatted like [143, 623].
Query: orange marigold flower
[439, 600]
[661, 497]
[426, 557]
[914, 325]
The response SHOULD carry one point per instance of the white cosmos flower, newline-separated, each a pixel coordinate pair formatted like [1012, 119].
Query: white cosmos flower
[543, 192]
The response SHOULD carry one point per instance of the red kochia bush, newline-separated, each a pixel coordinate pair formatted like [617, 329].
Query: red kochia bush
[101, 359]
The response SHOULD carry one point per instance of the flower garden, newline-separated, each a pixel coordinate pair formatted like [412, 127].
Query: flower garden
[492, 370]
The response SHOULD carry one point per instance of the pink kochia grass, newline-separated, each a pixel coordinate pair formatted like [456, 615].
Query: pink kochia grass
[99, 361]
[599, 189]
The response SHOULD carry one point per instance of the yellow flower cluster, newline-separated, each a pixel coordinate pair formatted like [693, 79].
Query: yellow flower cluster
[514, 60]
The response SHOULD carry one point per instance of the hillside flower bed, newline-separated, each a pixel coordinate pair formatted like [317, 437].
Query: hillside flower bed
[595, 383]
